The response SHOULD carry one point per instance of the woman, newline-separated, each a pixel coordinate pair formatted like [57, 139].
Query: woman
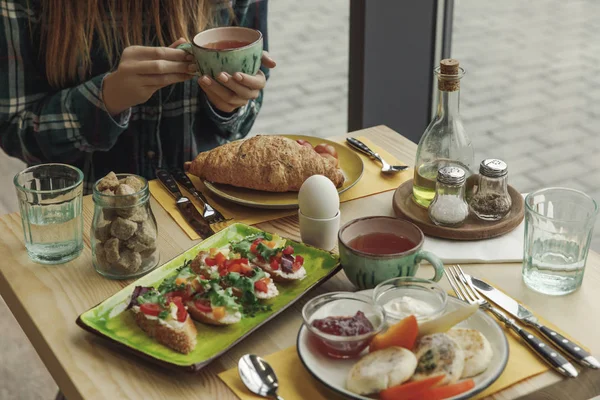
[96, 84]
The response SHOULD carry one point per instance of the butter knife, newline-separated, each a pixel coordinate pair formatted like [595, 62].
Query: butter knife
[184, 205]
[526, 317]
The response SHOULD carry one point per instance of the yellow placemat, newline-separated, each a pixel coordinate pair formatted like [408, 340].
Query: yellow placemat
[296, 383]
[372, 182]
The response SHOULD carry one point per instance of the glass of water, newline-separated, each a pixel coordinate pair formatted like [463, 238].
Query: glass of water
[50, 200]
[558, 229]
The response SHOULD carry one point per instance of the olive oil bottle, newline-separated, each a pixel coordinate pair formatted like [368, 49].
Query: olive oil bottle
[445, 142]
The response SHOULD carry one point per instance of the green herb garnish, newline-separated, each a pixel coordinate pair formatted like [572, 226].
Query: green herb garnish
[163, 314]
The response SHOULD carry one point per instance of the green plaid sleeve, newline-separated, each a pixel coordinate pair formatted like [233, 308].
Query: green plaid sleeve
[250, 14]
[37, 123]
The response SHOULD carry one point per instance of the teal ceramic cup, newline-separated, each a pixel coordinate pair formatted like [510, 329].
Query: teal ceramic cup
[367, 270]
[228, 49]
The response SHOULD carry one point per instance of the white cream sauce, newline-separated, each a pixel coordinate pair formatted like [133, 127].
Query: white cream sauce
[404, 306]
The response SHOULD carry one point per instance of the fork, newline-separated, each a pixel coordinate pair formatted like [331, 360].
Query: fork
[360, 146]
[466, 292]
[211, 215]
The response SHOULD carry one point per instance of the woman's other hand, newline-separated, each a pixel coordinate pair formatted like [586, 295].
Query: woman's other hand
[232, 92]
[142, 71]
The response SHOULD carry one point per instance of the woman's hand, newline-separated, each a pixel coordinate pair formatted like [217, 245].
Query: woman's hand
[232, 92]
[142, 71]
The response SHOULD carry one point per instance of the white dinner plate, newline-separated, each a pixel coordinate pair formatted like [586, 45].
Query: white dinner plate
[332, 373]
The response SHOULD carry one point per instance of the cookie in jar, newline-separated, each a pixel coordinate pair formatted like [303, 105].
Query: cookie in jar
[124, 230]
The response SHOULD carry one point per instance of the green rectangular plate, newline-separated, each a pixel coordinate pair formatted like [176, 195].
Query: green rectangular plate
[109, 321]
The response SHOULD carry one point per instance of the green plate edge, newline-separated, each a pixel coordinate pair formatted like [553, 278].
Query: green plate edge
[121, 330]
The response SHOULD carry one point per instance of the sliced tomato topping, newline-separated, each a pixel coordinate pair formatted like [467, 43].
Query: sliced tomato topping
[299, 259]
[203, 305]
[262, 285]
[223, 271]
[235, 268]
[150, 309]
[211, 262]
[288, 250]
[246, 269]
[184, 294]
[296, 266]
[181, 311]
[274, 264]
[220, 259]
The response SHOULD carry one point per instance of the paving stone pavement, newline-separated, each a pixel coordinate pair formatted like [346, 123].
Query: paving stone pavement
[530, 97]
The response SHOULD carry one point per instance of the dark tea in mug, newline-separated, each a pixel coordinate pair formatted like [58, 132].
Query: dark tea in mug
[381, 243]
[226, 44]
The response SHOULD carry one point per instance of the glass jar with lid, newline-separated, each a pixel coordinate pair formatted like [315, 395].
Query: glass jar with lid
[491, 201]
[124, 230]
[449, 207]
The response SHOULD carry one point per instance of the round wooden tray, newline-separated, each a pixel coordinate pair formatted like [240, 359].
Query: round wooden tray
[472, 229]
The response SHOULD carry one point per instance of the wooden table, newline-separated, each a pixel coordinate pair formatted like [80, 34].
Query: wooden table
[46, 300]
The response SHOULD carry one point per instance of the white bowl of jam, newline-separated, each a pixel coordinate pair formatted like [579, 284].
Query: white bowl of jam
[342, 324]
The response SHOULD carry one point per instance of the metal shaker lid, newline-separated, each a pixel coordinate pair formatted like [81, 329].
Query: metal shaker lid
[493, 168]
[451, 175]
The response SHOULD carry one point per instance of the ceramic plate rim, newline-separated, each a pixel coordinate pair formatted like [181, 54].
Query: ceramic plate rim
[249, 203]
[477, 389]
[196, 366]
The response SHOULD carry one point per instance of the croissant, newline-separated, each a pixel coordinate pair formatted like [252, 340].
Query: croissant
[269, 163]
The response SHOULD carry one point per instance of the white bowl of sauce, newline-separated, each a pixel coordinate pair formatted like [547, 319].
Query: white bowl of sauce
[401, 297]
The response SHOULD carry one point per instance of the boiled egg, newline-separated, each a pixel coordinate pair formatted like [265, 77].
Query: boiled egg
[318, 198]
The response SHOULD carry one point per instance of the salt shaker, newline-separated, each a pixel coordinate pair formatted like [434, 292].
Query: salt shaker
[449, 207]
[491, 201]
[319, 212]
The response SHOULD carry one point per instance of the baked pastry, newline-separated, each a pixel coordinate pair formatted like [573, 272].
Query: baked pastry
[269, 163]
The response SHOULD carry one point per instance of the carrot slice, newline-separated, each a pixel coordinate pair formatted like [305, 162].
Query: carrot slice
[180, 281]
[443, 392]
[410, 389]
[402, 334]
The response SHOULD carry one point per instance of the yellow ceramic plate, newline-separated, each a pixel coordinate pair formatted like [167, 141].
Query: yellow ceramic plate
[350, 163]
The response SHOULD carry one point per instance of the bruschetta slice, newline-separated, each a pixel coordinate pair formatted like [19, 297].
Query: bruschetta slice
[235, 272]
[164, 318]
[214, 305]
[272, 256]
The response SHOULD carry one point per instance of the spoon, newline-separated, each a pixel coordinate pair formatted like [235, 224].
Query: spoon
[258, 376]
[360, 146]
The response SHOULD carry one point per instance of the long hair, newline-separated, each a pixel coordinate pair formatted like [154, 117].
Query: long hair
[71, 27]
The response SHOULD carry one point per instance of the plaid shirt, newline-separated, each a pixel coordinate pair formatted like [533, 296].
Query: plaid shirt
[40, 124]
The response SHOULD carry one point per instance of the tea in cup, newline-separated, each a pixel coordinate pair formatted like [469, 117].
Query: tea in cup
[228, 49]
[375, 249]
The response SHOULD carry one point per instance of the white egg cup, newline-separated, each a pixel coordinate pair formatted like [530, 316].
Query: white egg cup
[321, 233]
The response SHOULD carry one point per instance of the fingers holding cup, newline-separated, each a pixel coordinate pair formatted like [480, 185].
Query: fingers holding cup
[221, 97]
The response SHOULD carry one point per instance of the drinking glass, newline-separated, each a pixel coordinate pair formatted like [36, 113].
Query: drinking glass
[558, 229]
[50, 200]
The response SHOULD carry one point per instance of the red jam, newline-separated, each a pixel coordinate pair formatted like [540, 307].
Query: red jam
[344, 326]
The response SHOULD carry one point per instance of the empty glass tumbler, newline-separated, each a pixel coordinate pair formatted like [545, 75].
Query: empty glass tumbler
[50, 201]
[558, 229]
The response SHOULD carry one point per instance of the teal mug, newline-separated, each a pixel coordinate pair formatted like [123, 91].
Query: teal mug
[375, 249]
[228, 49]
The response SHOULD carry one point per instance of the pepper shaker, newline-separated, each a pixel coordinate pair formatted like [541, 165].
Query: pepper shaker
[449, 207]
[492, 201]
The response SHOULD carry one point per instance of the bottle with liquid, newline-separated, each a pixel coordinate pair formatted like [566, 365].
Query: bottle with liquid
[445, 142]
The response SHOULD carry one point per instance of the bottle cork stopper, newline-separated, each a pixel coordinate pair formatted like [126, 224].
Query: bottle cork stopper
[448, 69]
[449, 66]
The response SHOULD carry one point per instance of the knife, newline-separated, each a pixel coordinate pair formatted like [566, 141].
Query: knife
[526, 316]
[185, 206]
